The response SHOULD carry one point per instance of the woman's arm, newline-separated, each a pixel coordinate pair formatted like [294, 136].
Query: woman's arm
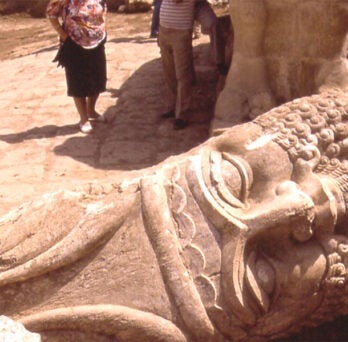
[58, 28]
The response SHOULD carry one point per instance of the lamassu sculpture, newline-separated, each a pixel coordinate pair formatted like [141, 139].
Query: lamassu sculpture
[282, 50]
[243, 238]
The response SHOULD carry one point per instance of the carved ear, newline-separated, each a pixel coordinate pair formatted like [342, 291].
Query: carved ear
[332, 210]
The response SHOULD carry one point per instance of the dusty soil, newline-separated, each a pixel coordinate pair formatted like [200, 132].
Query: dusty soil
[21, 34]
[36, 111]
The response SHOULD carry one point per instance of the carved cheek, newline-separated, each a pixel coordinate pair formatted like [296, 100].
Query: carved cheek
[281, 273]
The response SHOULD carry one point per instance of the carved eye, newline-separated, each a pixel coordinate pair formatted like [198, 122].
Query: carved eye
[232, 179]
[241, 183]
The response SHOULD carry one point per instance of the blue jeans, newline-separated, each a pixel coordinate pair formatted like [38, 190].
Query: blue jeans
[155, 16]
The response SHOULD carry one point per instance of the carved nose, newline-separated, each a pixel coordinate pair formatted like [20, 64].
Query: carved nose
[290, 208]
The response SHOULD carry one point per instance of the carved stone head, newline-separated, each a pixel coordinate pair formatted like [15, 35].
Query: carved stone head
[244, 238]
[276, 190]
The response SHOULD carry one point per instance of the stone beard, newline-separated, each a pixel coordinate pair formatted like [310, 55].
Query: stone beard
[225, 242]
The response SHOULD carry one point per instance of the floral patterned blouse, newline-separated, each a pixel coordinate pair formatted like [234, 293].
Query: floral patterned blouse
[83, 20]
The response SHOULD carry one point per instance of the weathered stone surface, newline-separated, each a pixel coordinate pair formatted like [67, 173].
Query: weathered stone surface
[282, 50]
[11, 331]
[224, 242]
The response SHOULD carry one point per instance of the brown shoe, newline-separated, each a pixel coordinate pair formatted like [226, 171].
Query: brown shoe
[167, 115]
[180, 124]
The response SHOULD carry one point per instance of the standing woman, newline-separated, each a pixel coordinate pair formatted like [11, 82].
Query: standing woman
[82, 53]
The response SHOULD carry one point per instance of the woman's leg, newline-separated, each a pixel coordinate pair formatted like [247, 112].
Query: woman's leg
[81, 106]
[92, 114]
[91, 102]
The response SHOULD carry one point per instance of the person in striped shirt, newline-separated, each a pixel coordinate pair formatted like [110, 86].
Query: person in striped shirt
[175, 42]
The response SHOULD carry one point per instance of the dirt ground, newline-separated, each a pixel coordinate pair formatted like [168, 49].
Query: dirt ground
[39, 122]
[21, 34]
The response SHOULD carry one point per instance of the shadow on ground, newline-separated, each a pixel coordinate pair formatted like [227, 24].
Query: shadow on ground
[137, 40]
[135, 136]
[48, 131]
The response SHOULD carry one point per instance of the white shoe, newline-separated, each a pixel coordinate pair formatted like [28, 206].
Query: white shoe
[85, 127]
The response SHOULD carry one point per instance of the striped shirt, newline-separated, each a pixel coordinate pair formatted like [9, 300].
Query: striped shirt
[177, 16]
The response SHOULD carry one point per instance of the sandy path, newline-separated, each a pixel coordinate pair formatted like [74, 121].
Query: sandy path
[41, 149]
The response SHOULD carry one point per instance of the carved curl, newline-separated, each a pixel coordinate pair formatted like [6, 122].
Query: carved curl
[314, 125]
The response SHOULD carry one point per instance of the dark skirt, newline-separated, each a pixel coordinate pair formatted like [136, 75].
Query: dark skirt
[85, 69]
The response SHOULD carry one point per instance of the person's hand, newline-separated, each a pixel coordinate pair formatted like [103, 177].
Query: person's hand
[63, 36]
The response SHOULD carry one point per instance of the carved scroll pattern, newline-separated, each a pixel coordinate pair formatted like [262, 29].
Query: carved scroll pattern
[193, 254]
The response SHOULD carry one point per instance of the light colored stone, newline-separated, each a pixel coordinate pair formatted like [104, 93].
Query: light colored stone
[11, 331]
[282, 50]
[222, 243]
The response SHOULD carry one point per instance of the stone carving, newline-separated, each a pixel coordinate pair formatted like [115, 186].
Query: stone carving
[243, 238]
[11, 331]
[282, 50]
